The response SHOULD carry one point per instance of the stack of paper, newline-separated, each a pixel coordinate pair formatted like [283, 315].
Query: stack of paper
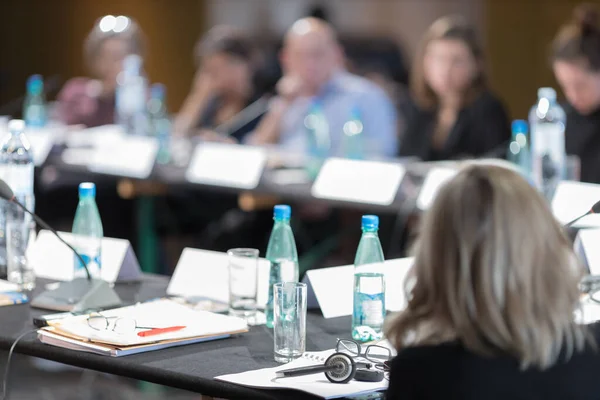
[76, 333]
[316, 384]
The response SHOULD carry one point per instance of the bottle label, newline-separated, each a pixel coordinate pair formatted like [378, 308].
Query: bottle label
[19, 177]
[372, 311]
[548, 148]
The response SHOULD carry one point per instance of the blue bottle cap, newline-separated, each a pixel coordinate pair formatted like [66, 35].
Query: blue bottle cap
[370, 222]
[519, 126]
[87, 189]
[157, 91]
[35, 84]
[282, 212]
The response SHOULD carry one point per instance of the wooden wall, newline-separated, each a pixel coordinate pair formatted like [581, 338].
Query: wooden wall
[46, 37]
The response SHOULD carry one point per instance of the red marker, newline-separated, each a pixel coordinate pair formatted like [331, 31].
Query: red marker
[160, 331]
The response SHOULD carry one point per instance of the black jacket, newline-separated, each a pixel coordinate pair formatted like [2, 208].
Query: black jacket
[582, 138]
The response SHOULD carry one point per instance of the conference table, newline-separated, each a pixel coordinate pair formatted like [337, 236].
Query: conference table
[191, 367]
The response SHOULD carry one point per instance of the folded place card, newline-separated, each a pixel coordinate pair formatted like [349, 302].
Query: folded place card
[333, 287]
[227, 165]
[573, 199]
[367, 182]
[41, 141]
[434, 180]
[51, 259]
[205, 274]
[586, 247]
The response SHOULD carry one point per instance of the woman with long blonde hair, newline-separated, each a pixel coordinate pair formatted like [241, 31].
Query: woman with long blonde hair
[491, 300]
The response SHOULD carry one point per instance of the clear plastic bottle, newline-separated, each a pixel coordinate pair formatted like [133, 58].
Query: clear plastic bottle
[282, 254]
[34, 106]
[87, 232]
[547, 124]
[16, 169]
[160, 123]
[318, 139]
[369, 284]
[519, 152]
[131, 97]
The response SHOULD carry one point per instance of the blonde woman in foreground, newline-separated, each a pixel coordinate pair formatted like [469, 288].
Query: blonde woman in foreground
[490, 311]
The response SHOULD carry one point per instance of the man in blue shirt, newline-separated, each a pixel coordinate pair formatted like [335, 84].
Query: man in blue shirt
[312, 62]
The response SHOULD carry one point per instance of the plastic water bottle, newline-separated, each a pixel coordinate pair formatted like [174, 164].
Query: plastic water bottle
[282, 254]
[519, 152]
[131, 97]
[87, 232]
[369, 284]
[34, 106]
[353, 139]
[547, 123]
[318, 139]
[16, 169]
[160, 123]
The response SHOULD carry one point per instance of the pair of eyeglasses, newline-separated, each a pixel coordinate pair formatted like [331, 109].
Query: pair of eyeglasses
[120, 325]
[380, 356]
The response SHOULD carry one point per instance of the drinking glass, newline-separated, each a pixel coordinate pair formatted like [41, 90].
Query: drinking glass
[19, 270]
[243, 282]
[289, 320]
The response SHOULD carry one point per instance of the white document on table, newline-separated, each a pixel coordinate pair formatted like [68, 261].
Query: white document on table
[51, 259]
[573, 199]
[367, 182]
[227, 165]
[333, 287]
[316, 384]
[6, 286]
[435, 179]
[205, 274]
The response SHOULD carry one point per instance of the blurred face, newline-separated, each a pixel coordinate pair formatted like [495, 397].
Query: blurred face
[580, 85]
[449, 67]
[109, 61]
[229, 75]
[312, 57]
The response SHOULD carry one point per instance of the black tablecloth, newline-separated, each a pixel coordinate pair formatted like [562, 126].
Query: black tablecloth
[191, 367]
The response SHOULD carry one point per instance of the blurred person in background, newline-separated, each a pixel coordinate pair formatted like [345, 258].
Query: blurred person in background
[312, 62]
[226, 86]
[91, 101]
[492, 294]
[576, 64]
[454, 114]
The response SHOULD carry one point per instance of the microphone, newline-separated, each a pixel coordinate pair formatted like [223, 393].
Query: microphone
[594, 210]
[244, 117]
[80, 294]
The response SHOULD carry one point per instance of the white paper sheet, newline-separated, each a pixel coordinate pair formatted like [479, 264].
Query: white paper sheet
[6, 286]
[367, 182]
[434, 180]
[316, 384]
[227, 165]
[573, 199]
[333, 287]
[204, 273]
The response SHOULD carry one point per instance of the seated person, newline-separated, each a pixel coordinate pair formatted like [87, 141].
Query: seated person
[576, 63]
[454, 115]
[91, 102]
[492, 296]
[225, 88]
[312, 72]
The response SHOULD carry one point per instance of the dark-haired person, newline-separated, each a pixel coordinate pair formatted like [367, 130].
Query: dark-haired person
[454, 114]
[576, 64]
[225, 85]
[492, 298]
[91, 101]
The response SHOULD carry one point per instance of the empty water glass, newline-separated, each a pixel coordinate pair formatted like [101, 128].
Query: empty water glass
[19, 270]
[243, 282]
[289, 320]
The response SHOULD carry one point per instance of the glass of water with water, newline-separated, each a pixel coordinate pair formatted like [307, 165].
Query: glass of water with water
[243, 282]
[20, 271]
[289, 320]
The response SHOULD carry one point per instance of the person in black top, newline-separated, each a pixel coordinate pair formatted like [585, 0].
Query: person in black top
[226, 88]
[453, 114]
[576, 64]
[491, 300]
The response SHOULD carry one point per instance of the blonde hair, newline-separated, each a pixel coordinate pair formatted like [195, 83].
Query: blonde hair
[494, 271]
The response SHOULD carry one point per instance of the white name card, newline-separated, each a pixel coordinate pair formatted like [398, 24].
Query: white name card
[41, 141]
[227, 165]
[586, 246]
[333, 287]
[434, 180]
[367, 182]
[573, 199]
[204, 273]
[51, 259]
